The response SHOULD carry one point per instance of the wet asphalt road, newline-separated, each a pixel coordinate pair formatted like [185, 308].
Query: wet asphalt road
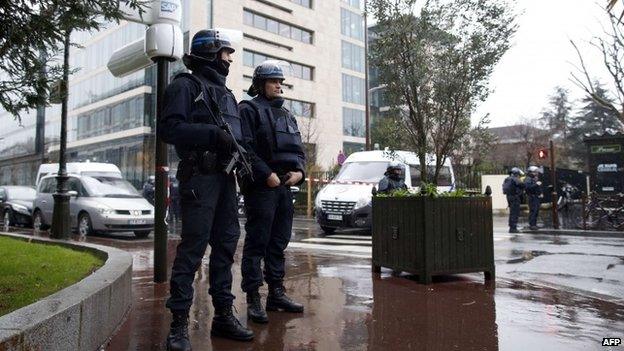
[551, 293]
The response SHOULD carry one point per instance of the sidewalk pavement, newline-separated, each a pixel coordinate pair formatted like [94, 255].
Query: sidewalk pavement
[349, 308]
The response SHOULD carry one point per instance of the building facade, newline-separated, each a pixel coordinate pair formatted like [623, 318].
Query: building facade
[113, 119]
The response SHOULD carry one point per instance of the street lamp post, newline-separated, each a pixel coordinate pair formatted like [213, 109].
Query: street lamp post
[162, 44]
[60, 215]
[367, 113]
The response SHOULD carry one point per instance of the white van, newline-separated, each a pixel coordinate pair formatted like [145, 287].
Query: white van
[80, 168]
[346, 201]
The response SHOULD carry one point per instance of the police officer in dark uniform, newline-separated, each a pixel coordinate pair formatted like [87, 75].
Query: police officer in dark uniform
[192, 105]
[534, 193]
[513, 187]
[393, 178]
[272, 134]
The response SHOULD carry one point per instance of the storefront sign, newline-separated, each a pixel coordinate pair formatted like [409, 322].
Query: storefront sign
[606, 149]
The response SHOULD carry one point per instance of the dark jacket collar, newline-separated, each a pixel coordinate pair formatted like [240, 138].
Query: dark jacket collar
[277, 102]
[212, 75]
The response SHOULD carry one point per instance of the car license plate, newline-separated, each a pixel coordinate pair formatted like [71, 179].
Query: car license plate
[334, 217]
[137, 221]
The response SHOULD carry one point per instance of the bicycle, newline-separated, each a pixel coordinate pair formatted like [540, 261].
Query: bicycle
[602, 211]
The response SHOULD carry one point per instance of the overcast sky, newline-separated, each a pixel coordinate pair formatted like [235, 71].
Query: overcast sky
[542, 57]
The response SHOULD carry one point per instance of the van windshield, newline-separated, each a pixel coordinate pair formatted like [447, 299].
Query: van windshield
[362, 171]
[444, 177]
[110, 187]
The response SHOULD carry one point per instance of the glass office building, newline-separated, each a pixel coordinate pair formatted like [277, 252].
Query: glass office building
[113, 119]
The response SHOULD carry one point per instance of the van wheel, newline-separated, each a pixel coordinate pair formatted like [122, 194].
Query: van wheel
[328, 230]
[84, 224]
[142, 234]
[38, 224]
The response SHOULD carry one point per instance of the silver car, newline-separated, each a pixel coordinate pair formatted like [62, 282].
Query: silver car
[97, 204]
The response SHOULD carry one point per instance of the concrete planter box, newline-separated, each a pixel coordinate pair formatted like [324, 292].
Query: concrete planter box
[431, 236]
[82, 316]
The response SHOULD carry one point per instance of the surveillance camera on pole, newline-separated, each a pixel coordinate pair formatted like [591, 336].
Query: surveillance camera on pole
[162, 43]
[163, 37]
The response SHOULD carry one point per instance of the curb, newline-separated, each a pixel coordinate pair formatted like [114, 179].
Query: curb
[80, 317]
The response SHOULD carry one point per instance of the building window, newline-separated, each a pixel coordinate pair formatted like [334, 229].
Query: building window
[125, 115]
[352, 24]
[349, 148]
[353, 122]
[352, 89]
[300, 108]
[253, 59]
[354, 3]
[296, 107]
[352, 56]
[281, 28]
[304, 3]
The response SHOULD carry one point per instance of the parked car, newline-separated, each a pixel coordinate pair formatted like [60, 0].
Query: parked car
[97, 204]
[80, 168]
[346, 201]
[16, 204]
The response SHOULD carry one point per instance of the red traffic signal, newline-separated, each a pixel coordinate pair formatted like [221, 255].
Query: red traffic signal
[542, 154]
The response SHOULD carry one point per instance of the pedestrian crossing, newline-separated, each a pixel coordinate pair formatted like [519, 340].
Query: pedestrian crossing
[358, 245]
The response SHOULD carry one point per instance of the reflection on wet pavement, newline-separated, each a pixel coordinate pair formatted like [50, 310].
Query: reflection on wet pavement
[349, 308]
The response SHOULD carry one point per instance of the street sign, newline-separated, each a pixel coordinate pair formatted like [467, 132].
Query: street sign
[158, 11]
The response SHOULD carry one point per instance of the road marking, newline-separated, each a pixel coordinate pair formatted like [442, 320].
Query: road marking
[365, 237]
[338, 241]
[322, 247]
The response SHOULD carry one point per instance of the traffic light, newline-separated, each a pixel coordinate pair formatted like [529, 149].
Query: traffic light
[542, 154]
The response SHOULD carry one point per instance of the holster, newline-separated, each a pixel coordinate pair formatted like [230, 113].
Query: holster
[206, 162]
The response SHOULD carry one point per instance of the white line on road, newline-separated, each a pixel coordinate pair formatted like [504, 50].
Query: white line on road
[368, 237]
[337, 241]
[344, 248]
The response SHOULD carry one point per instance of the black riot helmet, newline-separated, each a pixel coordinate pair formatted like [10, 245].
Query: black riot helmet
[269, 69]
[206, 45]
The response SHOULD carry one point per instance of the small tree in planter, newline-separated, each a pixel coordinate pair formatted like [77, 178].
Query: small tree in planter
[430, 234]
[435, 64]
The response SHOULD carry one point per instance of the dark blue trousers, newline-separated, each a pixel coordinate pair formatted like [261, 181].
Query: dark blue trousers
[268, 229]
[208, 204]
[514, 210]
[534, 206]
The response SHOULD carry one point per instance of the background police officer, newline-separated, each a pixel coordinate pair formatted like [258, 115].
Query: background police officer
[533, 188]
[272, 134]
[513, 188]
[393, 179]
[207, 194]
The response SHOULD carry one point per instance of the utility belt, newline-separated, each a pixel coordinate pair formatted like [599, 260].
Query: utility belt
[199, 163]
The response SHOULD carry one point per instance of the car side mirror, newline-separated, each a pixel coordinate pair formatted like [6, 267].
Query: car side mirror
[72, 193]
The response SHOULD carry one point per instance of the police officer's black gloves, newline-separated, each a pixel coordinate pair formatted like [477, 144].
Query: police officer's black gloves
[225, 142]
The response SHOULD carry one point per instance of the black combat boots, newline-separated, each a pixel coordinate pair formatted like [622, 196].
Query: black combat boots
[225, 325]
[255, 311]
[178, 339]
[278, 301]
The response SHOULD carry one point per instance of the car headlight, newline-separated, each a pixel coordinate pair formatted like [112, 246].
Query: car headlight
[21, 209]
[317, 201]
[361, 203]
[105, 210]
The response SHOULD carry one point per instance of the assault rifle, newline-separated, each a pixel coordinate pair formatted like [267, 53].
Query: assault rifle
[238, 159]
